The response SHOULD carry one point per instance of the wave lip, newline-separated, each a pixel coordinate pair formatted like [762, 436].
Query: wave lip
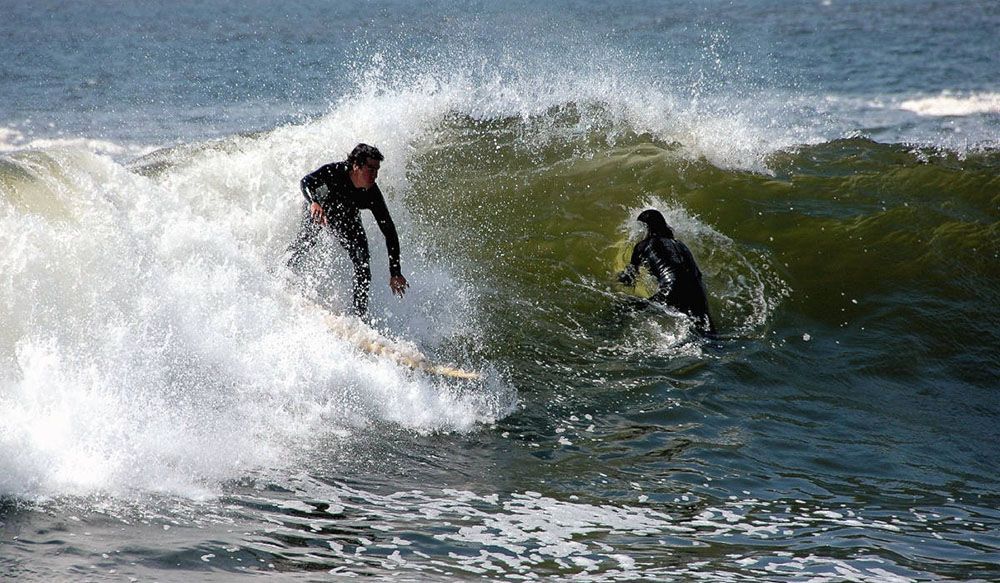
[949, 105]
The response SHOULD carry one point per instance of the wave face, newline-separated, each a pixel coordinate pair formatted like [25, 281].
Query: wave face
[170, 409]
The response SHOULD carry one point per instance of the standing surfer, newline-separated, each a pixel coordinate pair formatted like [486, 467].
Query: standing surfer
[335, 194]
[673, 266]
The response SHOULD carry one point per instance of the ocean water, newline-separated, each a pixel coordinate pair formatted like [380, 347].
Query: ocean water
[169, 412]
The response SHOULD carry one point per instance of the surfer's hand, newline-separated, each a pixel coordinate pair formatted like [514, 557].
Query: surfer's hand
[627, 277]
[317, 213]
[398, 285]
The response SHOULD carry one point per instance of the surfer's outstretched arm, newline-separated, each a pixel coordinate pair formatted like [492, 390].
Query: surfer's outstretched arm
[397, 283]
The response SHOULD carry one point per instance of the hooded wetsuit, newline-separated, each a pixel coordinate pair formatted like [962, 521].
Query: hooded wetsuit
[341, 201]
[672, 264]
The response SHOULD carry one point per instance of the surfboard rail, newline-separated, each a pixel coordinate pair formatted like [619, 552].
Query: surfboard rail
[370, 341]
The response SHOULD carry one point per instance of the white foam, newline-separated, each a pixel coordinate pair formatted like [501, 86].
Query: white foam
[147, 346]
[13, 140]
[606, 91]
[522, 533]
[961, 123]
[8, 137]
[951, 105]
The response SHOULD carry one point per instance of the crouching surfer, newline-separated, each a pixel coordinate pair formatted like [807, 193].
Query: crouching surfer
[673, 266]
[334, 196]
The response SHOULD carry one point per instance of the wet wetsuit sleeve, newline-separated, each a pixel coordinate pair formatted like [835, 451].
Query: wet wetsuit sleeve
[381, 213]
[637, 254]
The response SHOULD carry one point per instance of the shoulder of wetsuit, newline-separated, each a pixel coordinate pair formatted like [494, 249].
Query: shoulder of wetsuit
[335, 170]
[321, 175]
[334, 175]
[677, 245]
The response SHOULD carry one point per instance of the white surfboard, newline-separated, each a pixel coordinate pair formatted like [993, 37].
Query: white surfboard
[367, 339]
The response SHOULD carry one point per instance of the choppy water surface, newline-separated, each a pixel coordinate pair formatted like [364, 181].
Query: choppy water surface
[168, 411]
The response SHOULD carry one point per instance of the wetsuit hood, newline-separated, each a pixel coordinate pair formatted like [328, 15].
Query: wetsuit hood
[656, 223]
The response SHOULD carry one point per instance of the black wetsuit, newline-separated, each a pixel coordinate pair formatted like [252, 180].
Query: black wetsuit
[673, 266]
[331, 187]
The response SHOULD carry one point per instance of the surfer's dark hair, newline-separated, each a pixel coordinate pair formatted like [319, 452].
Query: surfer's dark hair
[656, 223]
[362, 153]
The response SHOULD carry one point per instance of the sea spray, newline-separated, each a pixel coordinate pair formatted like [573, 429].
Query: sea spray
[149, 347]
